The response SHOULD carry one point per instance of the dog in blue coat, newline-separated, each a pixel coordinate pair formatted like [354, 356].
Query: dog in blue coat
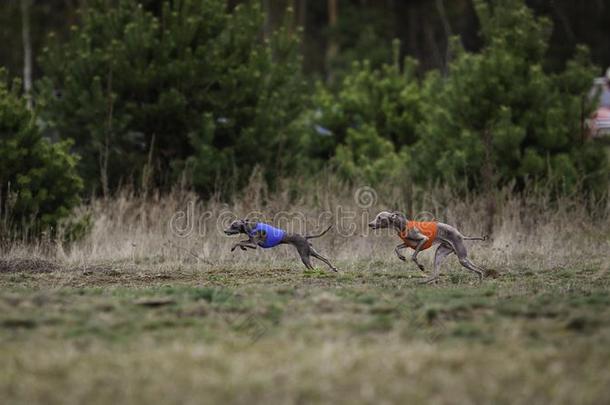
[266, 236]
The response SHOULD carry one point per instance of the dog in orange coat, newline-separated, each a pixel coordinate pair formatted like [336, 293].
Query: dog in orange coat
[422, 235]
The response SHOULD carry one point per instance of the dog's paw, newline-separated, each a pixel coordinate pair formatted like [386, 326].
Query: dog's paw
[421, 267]
[401, 257]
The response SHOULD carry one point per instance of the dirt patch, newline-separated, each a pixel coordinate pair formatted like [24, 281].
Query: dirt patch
[102, 269]
[18, 323]
[23, 265]
[491, 273]
[154, 302]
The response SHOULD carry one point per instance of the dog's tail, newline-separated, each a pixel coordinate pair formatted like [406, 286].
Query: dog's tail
[485, 237]
[318, 235]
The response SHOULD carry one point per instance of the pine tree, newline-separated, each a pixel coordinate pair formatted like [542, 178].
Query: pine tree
[372, 117]
[503, 98]
[193, 86]
[38, 180]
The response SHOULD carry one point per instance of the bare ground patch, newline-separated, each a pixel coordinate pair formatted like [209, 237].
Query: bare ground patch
[27, 265]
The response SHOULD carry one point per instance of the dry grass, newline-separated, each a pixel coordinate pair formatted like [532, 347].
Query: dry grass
[531, 229]
[135, 313]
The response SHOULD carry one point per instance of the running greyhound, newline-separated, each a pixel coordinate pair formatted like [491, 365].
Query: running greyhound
[267, 236]
[422, 235]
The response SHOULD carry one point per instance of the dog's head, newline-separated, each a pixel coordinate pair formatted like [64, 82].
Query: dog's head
[385, 219]
[237, 226]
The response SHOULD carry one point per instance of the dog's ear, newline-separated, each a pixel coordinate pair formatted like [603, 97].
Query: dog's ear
[247, 226]
[396, 215]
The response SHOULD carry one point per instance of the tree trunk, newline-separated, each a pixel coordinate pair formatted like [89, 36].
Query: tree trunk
[27, 51]
[565, 22]
[413, 24]
[434, 48]
[105, 152]
[300, 8]
[442, 12]
[267, 10]
[332, 47]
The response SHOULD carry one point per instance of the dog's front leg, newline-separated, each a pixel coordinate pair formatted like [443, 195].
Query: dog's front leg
[397, 250]
[421, 240]
[243, 245]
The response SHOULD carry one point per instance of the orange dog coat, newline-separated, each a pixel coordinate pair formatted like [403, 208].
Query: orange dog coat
[427, 228]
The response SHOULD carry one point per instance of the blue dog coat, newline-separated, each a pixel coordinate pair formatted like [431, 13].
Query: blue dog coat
[274, 235]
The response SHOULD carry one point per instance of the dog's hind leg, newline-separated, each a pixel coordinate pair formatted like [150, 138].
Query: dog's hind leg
[322, 258]
[462, 254]
[307, 262]
[464, 261]
[305, 252]
[441, 252]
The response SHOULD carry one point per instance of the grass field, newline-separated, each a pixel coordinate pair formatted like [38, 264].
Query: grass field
[146, 332]
[135, 313]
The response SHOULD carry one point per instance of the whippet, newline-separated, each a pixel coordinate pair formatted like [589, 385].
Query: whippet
[422, 235]
[267, 236]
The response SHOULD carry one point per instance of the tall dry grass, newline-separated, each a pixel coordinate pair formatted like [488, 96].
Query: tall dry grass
[532, 229]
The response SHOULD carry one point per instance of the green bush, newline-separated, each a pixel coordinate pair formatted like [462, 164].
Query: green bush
[372, 117]
[532, 117]
[368, 156]
[38, 180]
[193, 86]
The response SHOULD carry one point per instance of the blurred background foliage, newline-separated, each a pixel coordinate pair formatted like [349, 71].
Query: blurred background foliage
[39, 184]
[471, 93]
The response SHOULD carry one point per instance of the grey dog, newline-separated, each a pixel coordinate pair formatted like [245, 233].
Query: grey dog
[266, 236]
[449, 239]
